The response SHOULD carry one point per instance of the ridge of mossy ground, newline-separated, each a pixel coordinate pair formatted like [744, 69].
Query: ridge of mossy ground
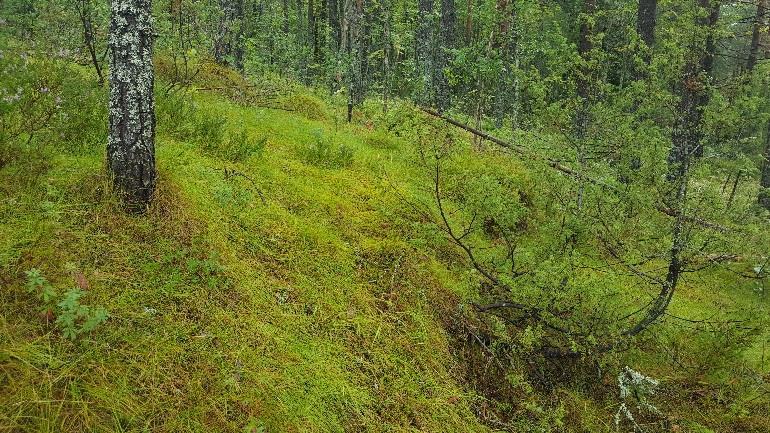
[309, 311]
[266, 292]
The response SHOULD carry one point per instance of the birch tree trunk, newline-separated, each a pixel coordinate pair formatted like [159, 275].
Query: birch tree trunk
[131, 144]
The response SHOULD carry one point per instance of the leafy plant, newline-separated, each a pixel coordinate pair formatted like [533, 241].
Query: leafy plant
[39, 286]
[75, 318]
[72, 317]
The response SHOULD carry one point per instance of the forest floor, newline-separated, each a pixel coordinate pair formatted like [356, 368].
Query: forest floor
[280, 282]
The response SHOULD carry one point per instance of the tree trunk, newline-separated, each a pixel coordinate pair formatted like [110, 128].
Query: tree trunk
[355, 64]
[237, 41]
[735, 189]
[469, 22]
[311, 35]
[387, 43]
[687, 135]
[646, 19]
[228, 49]
[584, 89]
[760, 22]
[131, 145]
[285, 16]
[709, 22]
[334, 23]
[443, 57]
[302, 41]
[506, 94]
[764, 183]
[713, 7]
[320, 32]
[424, 50]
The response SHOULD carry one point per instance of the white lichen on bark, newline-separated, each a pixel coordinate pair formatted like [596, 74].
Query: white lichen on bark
[131, 145]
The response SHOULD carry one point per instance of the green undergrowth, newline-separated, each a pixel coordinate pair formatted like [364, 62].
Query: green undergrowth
[282, 281]
[279, 288]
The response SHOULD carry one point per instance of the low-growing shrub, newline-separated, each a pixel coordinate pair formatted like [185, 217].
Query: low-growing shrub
[209, 128]
[175, 113]
[241, 145]
[380, 139]
[323, 152]
[306, 105]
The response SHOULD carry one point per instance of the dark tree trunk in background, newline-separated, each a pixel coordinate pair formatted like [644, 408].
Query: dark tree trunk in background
[221, 41]
[713, 8]
[507, 93]
[237, 42]
[334, 24]
[424, 50]
[760, 25]
[320, 32]
[387, 44]
[709, 22]
[469, 22]
[687, 137]
[228, 44]
[302, 41]
[366, 40]
[760, 22]
[131, 146]
[585, 45]
[443, 55]
[312, 40]
[764, 182]
[585, 92]
[646, 19]
[355, 14]
[285, 17]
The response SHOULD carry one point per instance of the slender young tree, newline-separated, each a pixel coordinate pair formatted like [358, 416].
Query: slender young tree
[506, 43]
[424, 49]
[85, 13]
[131, 145]
[760, 22]
[334, 24]
[584, 82]
[354, 19]
[387, 44]
[764, 182]
[446, 42]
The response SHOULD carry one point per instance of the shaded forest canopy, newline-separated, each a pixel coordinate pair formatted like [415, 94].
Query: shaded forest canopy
[384, 215]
